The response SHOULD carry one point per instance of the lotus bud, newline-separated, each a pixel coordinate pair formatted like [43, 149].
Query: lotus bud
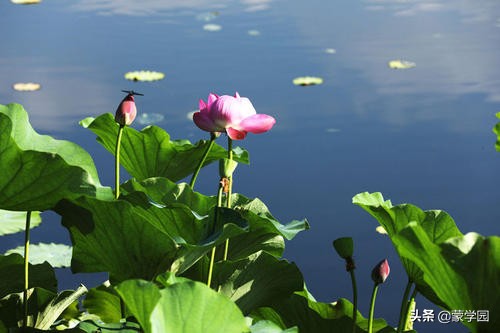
[381, 272]
[344, 247]
[126, 111]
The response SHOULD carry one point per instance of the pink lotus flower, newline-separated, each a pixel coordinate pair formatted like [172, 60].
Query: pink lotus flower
[381, 272]
[126, 111]
[234, 115]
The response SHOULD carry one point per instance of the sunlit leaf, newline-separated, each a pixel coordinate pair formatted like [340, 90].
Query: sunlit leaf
[212, 27]
[186, 307]
[104, 302]
[258, 280]
[26, 86]
[37, 170]
[144, 76]
[401, 64]
[380, 229]
[307, 81]
[12, 222]
[57, 255]
[463, 271]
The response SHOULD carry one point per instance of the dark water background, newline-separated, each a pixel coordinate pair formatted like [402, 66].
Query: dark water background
[421, 135]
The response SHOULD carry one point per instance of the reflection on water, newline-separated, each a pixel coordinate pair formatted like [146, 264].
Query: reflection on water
[421, 135]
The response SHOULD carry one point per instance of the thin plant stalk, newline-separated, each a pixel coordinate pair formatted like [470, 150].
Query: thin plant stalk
[117, 161]
[26, 267]
[372, 308]
[404, 306]
[216, 222]
[202, 161]
[408, 308]
[230, 191]
[354, 300]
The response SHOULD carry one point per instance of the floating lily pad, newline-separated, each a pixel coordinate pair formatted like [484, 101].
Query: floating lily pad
[253, 32]
[212, 27]
[149, 118]
[330, 51]
[25, 2]
[26, 86]
[57, 255]
[144, 76]
[401, 64]
[307, 81]
[12, 222]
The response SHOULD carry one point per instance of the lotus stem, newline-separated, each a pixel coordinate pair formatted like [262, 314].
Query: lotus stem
[404, 307]
[117, 161]
[202, 161]
[216, 222]
[354, 300]
[26, 267]
[372, 308]
[230, 191]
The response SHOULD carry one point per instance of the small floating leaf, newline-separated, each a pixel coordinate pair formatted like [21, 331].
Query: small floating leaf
[144, 76]
[212, 27]
[26, 86]
[401, 64]
[25, 2]
[57, 255]
[149, 118]
[307, 81]
[330, 51]
[253, 32]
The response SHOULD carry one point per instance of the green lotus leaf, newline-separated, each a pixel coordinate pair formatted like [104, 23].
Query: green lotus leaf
[267, 326]
[37, 170]
[438, 225]
[57, 255]
[12, 273]
[151, 153]
[463, 271]
[12, 222]
[257, 281]
[186, 307]
[303, 311]
[104, 302]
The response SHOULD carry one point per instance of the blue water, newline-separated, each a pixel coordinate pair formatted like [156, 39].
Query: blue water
[421, 135]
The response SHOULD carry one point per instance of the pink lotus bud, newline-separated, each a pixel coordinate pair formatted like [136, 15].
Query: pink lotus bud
[126, 111]
[381, 272]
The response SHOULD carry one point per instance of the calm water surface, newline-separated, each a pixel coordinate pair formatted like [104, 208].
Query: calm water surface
[421, 135]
